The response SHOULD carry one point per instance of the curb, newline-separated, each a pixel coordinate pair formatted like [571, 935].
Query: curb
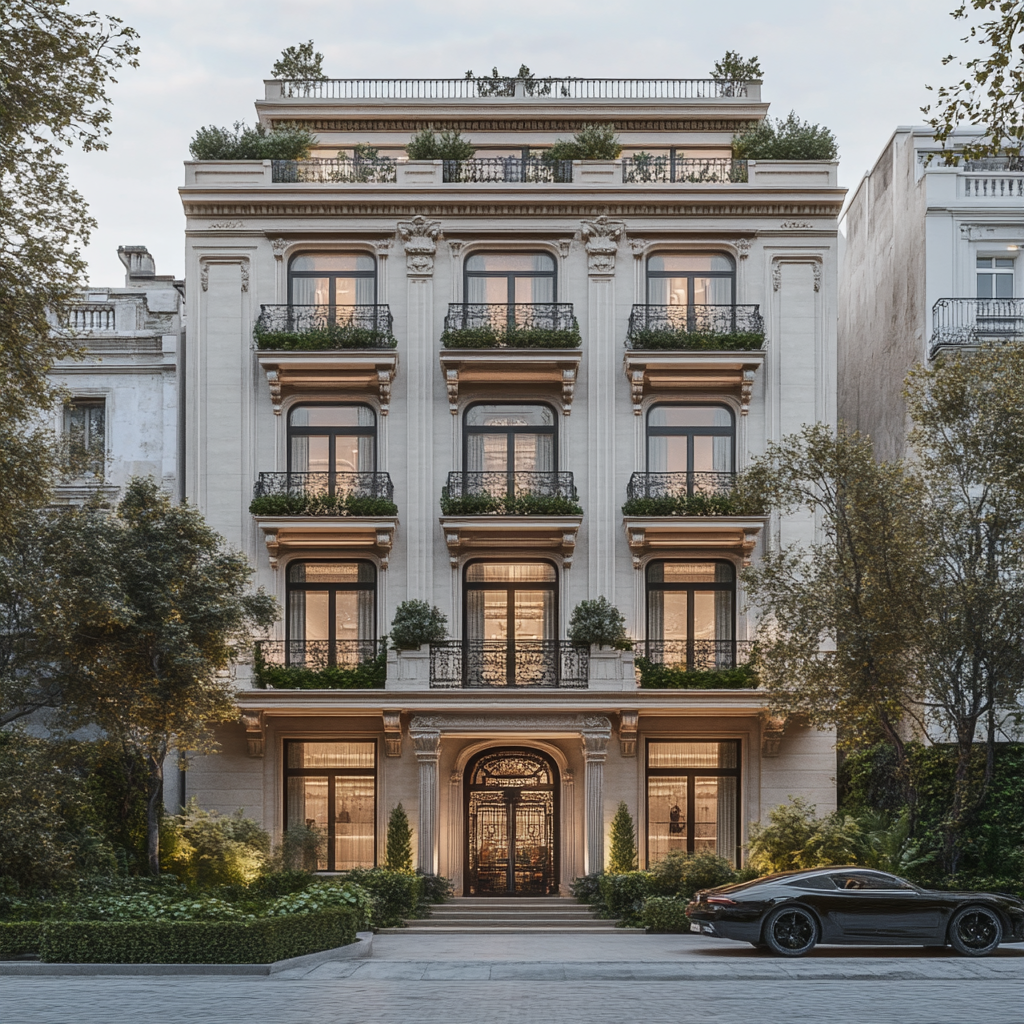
[362, 947]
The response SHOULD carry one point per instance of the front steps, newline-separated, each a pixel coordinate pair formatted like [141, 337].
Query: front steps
[504, 915]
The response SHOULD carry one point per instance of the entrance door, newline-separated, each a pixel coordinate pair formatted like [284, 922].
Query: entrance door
[511, 824]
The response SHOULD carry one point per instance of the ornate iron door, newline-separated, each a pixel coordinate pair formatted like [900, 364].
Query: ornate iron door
[511, 825]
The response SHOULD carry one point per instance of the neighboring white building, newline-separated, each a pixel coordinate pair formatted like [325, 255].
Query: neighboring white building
[123, 392]
[931, 262]
[509, 748]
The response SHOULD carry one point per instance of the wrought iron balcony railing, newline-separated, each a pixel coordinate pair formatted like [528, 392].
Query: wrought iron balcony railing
[485, 664]
[696, 655]
[973, 321]
[362, 485]
[346, 170]
[508, 170]
[706, 327]
[324, 327]
[679, 485]
[510, 325]
[510, 493]
[318, 654]
[645, 168]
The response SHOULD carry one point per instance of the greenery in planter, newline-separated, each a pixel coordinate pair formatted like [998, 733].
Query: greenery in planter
[598, 621]
[591, 142]
[623, 852]
[447, 145]
[417, 623]
[505, 505]
[321, 505]
[319, 339]
[655, 676]
[399, 843]
[368, 675]
[789, 139]
[287, 142]
[728, 504]
[665, 338]
[734, 68]
[511, 337]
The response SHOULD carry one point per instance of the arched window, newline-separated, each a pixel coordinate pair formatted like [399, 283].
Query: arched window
[693, 279]
[510, 278]
[331, 448]
[332, 613]
[332, 279]
[692, 446]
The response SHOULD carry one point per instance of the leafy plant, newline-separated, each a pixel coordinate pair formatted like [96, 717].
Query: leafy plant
[205, 848]
[446, 145]
[682, 874]
[368, 675]
[661, 338]
[665, 914]
[299, 62]
[399, 842]
[303, 847]
[591, 142]
[789, 139]
[319, 339]
[623, 852]
[655, 676]
[321, 505]
[511, 337]
[417, 623]
[509, 505]
[796, 838]
[397, 895]
[734, 68]
[598, 621]
[436, 889]
[587, 889]
[698, 504]
[496, 84]
[624, 895]
[286, 142]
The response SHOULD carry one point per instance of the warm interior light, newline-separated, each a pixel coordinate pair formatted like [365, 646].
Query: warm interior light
[1013, 248]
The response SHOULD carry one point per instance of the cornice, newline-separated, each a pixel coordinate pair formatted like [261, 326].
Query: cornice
[559, 123]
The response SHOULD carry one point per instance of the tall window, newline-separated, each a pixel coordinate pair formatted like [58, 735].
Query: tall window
[510, 277]
[332, 442]
[85, 427]
[695, 279]
[995, 277]
[693, 798]
[511, 445]
[691, 613]
[332, 786]
[335, 279]
[332, 613]
[691, 439]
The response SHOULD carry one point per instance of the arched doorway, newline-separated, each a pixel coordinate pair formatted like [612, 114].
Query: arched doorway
[511, 824]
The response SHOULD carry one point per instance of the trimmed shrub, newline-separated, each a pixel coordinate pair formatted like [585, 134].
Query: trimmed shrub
[789, 139]
[598, 621]
[280, 883]
[397, 895]
[665, 914]
[623, 852]
[509, 505]
[258, 941]
[399, 843]
[511, 337]
[656, 676]
[18, 937]
[587, 888]
[370, 675]
[591, 142]
[682, 874]
[690, 505]
[624, 895]
[661, 338]
[437, 889]
[205, 848]
[289, 142]
[796, 838]
[321, 505]
[318, 339]
[417, 623]
[447, 145]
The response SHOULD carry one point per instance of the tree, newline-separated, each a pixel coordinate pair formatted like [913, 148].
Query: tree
[623, 853]
[598, 621]
[399, 842]
[56, 66]
[991, 95]
[789, 139]
[299, 63]
[149, 663]
[417, 623]
[734, 68]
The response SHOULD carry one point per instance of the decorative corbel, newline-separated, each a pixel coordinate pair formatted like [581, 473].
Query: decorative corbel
[743, 247]
[568, 390]
[628, 723]
[255, 734]
[636, 386]
[272, 548]
[385, 540]
[749, 543]
[279, 245]
[565, 247]
[746, 389]
[420, 237]
[451, 379]
[274, 381]
[602, 237]
[772, 729]
[393, 733]
[452, 539]
[384, 378]
[568, 549]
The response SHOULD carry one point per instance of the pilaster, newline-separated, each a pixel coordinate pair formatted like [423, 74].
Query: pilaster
[427, 743]
[595, 752]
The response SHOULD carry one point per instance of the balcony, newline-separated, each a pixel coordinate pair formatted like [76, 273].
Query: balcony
[685, 494]
[696, 664]
[305, 348]
[496, 510]
[647, 169]
[335, 512]
[519, 664]
[962, 323]
[488, 325]
[322, 171]
[320, 664]
[512, 170]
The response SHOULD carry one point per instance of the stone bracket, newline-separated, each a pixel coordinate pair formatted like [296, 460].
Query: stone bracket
[349, 534]
[393, 733]
[305, 372]
[628, 724]
[255, 732]
[480, 533]
[660, 372]
[550, 368]
[772, 729]
[692, 533]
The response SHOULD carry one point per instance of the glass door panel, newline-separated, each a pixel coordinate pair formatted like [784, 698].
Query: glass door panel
[534, 453]
[534, 813]
[666, 814]
[705, 815]
[311, 291]
[353, 822]
[307, 806]
[488, 836]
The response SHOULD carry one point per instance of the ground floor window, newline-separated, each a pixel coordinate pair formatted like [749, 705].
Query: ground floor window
[331, 785]
[693, 798]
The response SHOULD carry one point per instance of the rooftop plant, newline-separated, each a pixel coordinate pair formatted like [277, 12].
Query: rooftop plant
[789, 139]
[288, 142]
[598, 621]
[299, 62]
[591, 142]
[417, 623]
[734, 68]
[447, 145]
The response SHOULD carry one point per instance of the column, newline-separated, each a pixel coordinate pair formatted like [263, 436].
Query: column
[454, 867]
[427, 744]
[595, 751]
[568, 827]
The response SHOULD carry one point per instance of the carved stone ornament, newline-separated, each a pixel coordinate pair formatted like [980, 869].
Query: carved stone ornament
[393, 733]
[420, 237]
[565, 247]
[383, 246]
[772, 729]
[384, 378]
[242, 262]
[227, 225]
[602, 237]
[638, 246]
[628, 724]
[245, 276]
[743, 247]
[796, 225]
[455, 247]
[427, 743]
[817, 276]
[274, 382]
[204, 276]
[814, 261]
[279, 245]
[254, 732]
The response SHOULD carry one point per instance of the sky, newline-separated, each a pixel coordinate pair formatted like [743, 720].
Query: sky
[858, 66]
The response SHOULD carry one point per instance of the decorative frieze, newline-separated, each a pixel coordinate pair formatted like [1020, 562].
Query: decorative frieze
[556, 124]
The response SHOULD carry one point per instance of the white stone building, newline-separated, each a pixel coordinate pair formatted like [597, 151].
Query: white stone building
[565, 337]
[930, 263]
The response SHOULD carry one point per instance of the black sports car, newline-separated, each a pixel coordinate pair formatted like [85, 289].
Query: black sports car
[789, 912]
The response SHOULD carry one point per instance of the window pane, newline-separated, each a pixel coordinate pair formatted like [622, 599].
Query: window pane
[534, 614]
[1004, 264]
[689, 416]
[984, 261]
[985, 286]
[331, 572]
[1004, 286]
[507, 572]
[309, 612]
[331, 416]
[526, 262]
[689, 572]
[352, 454]
[534, 289]
[695, 262]
[692, 754]
[705, 815]
[728, 787]
[534, 453]
[353, 822]
[490, 290]
[331, 754]
[311, 291]
[666, 816]
[352, 291]
[307, 805]
[334, 262]
[510, 416]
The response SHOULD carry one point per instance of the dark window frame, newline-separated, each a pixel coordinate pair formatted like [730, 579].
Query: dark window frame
[661, 275]
[333, 275]
[691, 775]
[97, 461]
[689, 588]
[508, 588]
[690, 432]
[511, 275]
[333, 589]
[331, 432]
[332, 774]
[510, 455]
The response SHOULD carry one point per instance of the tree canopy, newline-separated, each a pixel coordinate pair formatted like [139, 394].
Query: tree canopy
[299, 63]
[734, 68]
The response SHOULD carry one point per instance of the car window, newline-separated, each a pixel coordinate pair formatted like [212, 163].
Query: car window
[870, 880]
[814, 882]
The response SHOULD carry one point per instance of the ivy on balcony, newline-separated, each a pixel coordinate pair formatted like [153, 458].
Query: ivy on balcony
[320, 665]
[315, 328]
[688, 494]
[323, 494]
[696, 664]
[510, 494]
[705, 328]
[550, 325]
[654, 676]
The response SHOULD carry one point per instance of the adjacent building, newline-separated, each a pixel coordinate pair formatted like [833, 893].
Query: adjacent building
[503, 386]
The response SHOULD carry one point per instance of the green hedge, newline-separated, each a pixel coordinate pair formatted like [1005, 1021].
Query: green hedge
[17, 937]
[665, 914]
[624, 895]
[518, 505]
[323, 338]
[397, 895]
[654, 676]
[525, 337]
[370, 675]
[689, 505]
[651, 338]
[321, 505]
[261, 941]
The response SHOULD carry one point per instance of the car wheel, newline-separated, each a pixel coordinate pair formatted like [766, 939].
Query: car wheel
[790, 931]
[975, 931]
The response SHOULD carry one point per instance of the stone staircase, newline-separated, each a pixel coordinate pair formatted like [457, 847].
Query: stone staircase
[498, 915]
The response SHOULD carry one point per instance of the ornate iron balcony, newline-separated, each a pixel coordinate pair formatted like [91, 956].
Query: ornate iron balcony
[323, 494]
[510, 494]
[488, 664]
[508, 170]
[679, 485]
[702, 327]
[974, 321]
[324, 327]
[697, 655]
[328, 171]
[320, 664]
[318, 654]
[641, 169]
[510, 325]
